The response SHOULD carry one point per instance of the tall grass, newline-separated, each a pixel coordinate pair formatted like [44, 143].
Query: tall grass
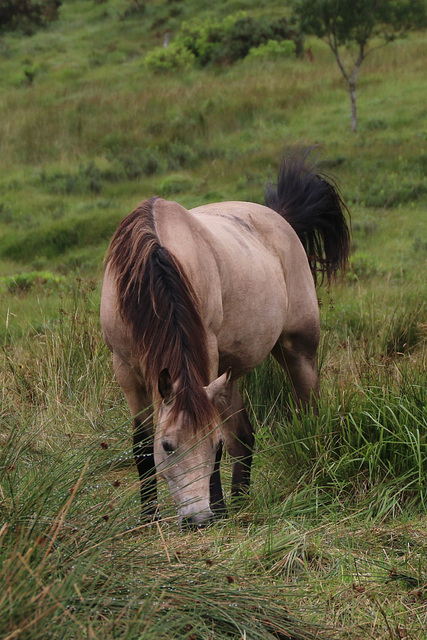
[77, 560]
[74, 557]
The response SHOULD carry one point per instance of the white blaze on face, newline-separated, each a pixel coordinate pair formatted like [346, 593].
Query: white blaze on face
[187, 461]
[187, 467]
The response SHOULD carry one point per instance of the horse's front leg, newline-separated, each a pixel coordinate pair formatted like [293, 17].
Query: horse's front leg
[216, 496]
[139, 403]
[144, 459]
[239, 439]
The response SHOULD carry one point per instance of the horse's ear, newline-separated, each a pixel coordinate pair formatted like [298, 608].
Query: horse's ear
[218, 390]
[165, 386]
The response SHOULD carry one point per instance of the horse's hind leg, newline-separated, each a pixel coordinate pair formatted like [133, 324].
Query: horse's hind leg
[297, 355]
[139, 401]
[239, 439]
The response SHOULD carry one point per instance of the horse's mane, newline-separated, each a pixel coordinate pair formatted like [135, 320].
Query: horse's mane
[159, 305]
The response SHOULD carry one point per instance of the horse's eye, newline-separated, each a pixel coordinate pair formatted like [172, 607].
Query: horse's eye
[168, 447]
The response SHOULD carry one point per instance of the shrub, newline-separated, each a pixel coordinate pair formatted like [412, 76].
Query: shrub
[23, 282]
[140, 162]
[394, 189]
[362, 267]
[273, 49]
[231, 39]
[175, 184]
[27, 14]
[58, 237]
[134, 8]
[179, 155]
[376, 124]
[87, 179]
[171, 58]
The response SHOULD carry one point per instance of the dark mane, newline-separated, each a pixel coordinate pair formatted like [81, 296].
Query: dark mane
[159, 305]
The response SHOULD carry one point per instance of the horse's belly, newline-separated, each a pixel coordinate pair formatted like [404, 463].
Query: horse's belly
[254, 315]
[244, 348]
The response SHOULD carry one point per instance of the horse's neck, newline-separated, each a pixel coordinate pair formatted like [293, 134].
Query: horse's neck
[193, 245]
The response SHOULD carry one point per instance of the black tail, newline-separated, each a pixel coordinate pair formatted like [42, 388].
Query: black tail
[311, 203]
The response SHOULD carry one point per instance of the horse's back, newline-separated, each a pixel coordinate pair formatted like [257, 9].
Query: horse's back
[265, 249]
[266, 283]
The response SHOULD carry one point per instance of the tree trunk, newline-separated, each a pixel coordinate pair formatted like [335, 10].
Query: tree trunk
[352, 90]
[351, 79]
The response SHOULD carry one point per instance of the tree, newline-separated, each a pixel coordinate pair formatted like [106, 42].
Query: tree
[27, 14]
[360, 26]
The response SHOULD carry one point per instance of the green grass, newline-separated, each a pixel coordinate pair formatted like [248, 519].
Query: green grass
[331, 540]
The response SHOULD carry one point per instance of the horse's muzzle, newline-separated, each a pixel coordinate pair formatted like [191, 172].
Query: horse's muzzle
[196, 520]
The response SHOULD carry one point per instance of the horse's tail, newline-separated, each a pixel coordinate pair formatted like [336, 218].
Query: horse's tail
[310, 201]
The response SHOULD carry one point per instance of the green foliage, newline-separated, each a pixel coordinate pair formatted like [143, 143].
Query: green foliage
[358, 21]
[231, 39]
[58, 237]
[394, 190]
[175, 57]
[272, 50]
[362, 267]
[138, 162]
[25, 15]
[86, 179]
[174, 184]
[23, 282]
[135, 8]
[30, 74]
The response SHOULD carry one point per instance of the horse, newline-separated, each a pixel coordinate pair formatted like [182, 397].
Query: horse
[192, 300]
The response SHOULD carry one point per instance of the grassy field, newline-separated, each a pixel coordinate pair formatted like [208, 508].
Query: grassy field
[331, 542]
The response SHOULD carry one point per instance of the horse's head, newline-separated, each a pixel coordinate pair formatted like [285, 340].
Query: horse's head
[185, 452]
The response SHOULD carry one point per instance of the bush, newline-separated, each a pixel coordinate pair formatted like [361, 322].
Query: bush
[175, 184]
[362, 267]
[58, 237]
[139, 162]
[171, 58]
[135, 8]
[25, 15]
[87, 179]
[23, 282]
[272, 50]
[179, 155]
[231, 39]
[224, 42]
[6, 213]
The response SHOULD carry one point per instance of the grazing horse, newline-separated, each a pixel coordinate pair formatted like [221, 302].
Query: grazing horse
[194, 299]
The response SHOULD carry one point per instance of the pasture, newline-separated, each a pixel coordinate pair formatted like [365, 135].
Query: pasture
[331, 541]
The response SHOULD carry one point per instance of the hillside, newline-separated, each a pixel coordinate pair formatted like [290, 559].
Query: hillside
[95, 131]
